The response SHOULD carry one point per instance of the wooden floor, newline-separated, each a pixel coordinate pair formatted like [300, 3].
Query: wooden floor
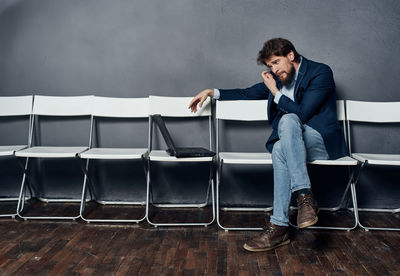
[78, 248]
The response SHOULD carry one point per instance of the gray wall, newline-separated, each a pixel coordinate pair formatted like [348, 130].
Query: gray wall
[136, 48]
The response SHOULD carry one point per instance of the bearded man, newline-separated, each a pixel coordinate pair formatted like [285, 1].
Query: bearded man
[302, 113]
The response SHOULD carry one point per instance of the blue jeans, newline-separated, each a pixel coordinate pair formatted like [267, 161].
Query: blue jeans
[298, 143]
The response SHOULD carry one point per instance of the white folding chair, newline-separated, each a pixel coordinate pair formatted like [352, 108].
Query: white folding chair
[117, 108]
[19, 106]
[353, 169]
[374, 113]
[256, 111]
[177, 107]
[253, 110]
[60, 107]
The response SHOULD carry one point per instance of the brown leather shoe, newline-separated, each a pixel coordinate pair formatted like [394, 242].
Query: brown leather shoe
[273, 236]
[307, 212]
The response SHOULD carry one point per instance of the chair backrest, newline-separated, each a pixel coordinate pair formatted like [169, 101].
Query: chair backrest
[176, 107]
[109, 107]
[340, 110]
[120, 107]
[62, 106]
[374, 112]
[16, 106]
[371, 112]
[247, 110]
[254, 110]
[341, 116]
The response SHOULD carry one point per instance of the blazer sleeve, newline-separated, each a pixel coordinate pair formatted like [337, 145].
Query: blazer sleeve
[256, 92]
[320, 87]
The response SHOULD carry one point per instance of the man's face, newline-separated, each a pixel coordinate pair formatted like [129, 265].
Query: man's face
[282, 67]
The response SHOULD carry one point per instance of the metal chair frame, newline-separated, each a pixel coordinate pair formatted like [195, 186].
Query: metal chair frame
[16, 107]
[354, 168]
[254, 111]
[347, 161]
[63, 107]
[113, 108]
[177, 107]
[384, 112]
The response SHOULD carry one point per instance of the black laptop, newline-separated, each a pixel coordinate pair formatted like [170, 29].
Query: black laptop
[179, 152]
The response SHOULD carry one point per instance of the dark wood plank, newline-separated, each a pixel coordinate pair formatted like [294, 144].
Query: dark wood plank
[78, 248]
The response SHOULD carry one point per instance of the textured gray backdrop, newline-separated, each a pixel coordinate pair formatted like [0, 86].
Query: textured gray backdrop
[136, 48]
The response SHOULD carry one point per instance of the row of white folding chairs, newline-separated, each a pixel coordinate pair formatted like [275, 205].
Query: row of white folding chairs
[177, 107]
[99, 107]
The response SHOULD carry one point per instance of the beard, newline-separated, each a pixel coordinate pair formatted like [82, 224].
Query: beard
[289, 77]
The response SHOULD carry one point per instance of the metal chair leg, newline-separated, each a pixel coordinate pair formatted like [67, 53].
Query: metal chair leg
[156, 224]
[219, 173]
[87, 179]
[367, 228]
[22, 198]
[353, 178]
[13, 215]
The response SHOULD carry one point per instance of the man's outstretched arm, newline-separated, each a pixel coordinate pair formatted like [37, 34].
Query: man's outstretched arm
[256, 92]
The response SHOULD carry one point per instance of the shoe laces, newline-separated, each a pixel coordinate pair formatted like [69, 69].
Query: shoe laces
[269, 229]
[305, 201]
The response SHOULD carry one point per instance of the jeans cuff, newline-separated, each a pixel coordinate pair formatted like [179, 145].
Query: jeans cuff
[299, 187]
[278, 222]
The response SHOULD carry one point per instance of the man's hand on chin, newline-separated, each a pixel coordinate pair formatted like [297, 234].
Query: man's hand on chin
[200, 98]
[270, 82]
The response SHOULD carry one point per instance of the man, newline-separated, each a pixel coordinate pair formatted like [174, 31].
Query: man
[302, 112]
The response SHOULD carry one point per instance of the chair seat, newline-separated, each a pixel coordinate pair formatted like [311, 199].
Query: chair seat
[162, 155]
[246, 157]
[113, 153]
[266, 158]
[50, 152]
[9, 150]
[344, 161]
[378, 159]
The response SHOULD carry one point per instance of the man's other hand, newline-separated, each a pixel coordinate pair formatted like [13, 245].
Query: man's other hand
[200, 98]
[269, 82]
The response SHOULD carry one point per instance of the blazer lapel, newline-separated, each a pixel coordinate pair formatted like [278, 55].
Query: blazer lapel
[302, 72]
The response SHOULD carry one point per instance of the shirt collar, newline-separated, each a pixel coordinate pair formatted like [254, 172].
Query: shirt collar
[297, 71]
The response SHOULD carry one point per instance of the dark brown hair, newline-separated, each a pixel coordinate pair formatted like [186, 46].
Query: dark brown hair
[277, 47]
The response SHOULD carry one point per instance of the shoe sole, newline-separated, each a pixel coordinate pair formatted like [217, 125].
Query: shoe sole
[308, 223]
[265, 249]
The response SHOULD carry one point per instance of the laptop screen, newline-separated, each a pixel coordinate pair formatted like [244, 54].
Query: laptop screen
[164, 131]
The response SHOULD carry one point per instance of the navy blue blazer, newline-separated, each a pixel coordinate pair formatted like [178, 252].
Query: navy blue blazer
[315, 105]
